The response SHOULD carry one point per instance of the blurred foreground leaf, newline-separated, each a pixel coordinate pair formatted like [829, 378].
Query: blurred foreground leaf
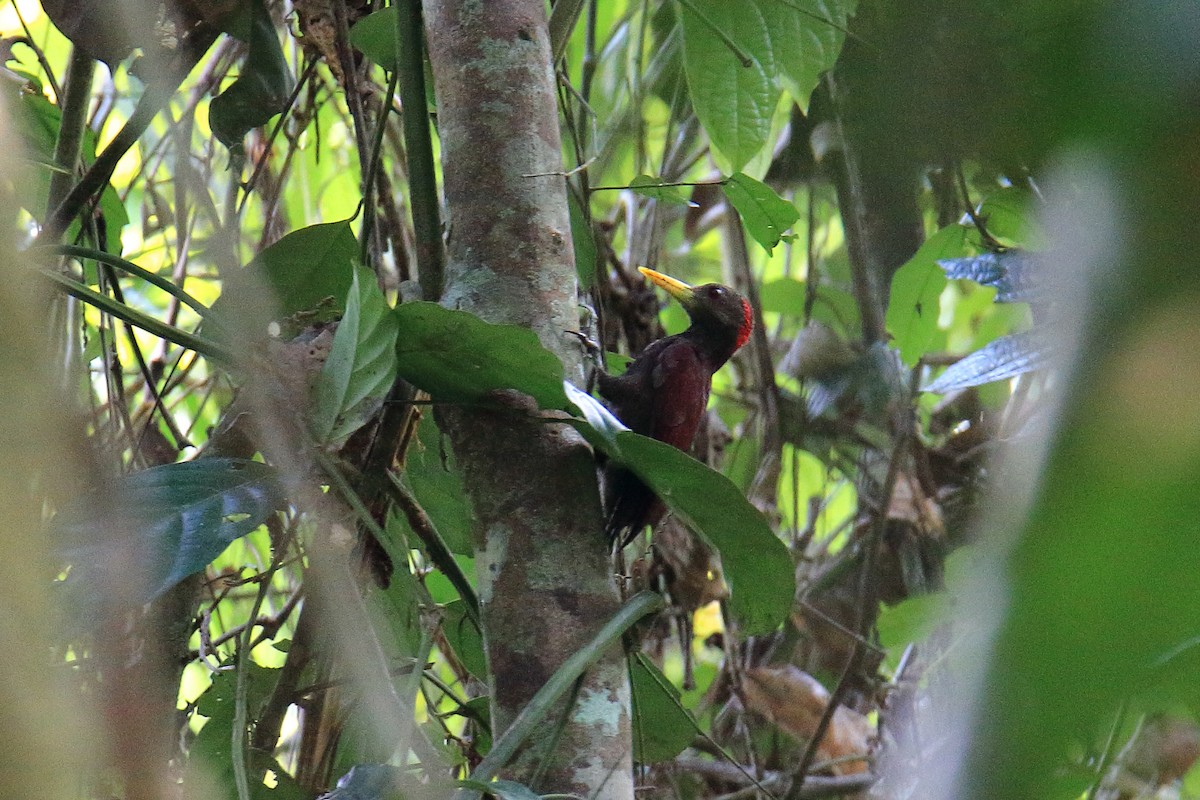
[178, 518]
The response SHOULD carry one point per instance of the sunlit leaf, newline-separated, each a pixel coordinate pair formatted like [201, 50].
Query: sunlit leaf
[456, 356]
[361, 367]
[767, 215]
[912, 313]
[734, 92]
[737, 56]
[657, 188]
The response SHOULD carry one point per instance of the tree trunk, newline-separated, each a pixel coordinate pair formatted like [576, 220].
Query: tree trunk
[545, 580]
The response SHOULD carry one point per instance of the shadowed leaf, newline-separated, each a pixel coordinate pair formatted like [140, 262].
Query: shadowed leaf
[662, 727]
[178, 518]
[456, 356]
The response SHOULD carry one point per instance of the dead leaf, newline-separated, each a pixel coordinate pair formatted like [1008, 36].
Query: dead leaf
[795, 701]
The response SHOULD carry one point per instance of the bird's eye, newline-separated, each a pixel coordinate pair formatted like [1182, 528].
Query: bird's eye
[716, 292]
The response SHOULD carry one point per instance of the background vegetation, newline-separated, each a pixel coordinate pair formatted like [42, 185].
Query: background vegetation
[277, 518]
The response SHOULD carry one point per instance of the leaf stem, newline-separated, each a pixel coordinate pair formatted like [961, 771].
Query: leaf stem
[422, 176]
[191, 341]
[532, 715]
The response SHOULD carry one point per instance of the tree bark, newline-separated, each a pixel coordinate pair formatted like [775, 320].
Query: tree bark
[545, 580]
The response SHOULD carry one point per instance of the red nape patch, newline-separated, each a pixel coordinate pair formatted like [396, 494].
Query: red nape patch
[747, 324]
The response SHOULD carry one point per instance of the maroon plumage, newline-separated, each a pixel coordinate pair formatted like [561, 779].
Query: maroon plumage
[664, 392]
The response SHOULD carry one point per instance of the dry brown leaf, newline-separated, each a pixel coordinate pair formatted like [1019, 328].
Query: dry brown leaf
[795, 701]
[911, 504]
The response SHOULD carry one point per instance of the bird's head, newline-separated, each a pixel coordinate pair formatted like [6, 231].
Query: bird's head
[716, 311]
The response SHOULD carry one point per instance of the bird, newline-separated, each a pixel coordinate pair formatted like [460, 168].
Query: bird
[664, 392]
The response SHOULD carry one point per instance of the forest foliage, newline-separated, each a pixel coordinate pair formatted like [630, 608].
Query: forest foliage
[223, 206]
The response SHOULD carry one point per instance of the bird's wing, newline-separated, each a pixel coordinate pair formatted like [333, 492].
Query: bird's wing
[681, 381]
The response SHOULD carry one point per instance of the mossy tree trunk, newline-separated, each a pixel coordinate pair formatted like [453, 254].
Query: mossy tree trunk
[545, 580]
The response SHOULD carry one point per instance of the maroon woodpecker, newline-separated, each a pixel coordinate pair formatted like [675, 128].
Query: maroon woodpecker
[664, 392]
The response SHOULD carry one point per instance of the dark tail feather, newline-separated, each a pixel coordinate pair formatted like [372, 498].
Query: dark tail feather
[629, 506]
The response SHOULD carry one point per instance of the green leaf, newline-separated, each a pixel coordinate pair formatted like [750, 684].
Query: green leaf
[657, 188]
[783, 296]
[757, 564]
[260, 91]
[758, 567]
[296, 274]
[912, 312]
[462, 635]
[911, 621]
[361, 367]
[437, 485]
[662, 727]
[808, 37]
[504, 790]
[369, 782]
[738, 55]
[584, 242]
[180, 517]
[38, 121]
[375, 36]
[456, 356]
[209, 763]
[734, 99]
[767, 215]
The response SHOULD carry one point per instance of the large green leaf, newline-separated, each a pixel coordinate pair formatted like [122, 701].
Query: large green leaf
[456, 356]
[757, 564]
[361, 366]
[262, 88]
[808, 35]
[737, 55]
[294, 274]
[662, 727]
[38, 121]
[176, 520]
[209, 761]
[375, 36]
[730, 66]
[912, 313]
[767, 215]
[437, 484]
